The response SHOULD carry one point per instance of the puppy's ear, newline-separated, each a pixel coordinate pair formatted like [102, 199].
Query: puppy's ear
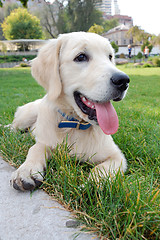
[45, 68]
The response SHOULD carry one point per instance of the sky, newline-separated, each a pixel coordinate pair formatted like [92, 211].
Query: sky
[145, 13]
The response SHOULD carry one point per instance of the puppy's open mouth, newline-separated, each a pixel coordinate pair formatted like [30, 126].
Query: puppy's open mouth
[86, 106]
[103, 113]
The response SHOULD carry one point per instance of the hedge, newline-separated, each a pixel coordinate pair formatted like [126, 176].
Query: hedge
[15, 58]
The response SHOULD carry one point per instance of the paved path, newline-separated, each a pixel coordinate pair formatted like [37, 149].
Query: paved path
[32, 217]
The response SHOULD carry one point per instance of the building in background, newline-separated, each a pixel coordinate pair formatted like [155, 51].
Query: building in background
[108, 7]
[110, 10]
[118, 35]
[105, 7]
[116, 8]
[122, 19]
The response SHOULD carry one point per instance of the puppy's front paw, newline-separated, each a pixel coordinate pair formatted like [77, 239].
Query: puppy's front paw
[27, 177]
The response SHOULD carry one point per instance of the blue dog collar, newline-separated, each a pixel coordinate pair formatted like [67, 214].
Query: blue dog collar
[71, 122]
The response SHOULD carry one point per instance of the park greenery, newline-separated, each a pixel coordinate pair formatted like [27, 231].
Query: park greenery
[75, 16]
[24, 3]
[15, 58]
[96, 29]
[139, 35]
[125, 207]
[106, 26]
[115, 46]
[67, 16]
[20, 24]
[59, 18]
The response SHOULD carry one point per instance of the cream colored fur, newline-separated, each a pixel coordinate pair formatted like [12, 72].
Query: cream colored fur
[56, 70]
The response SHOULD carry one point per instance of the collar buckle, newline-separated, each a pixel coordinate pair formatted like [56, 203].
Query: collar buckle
[78, 125]
[71, 122]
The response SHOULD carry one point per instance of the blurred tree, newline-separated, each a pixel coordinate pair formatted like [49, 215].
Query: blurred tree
[148, 44]
[140, 35]
[115, 46]
[5, 12]
[105, 27]
[68, 16]
[139, 55]
[109, 24]
[82, 15]
[3, 48]
[52, 18]
[158, 40]
[8, 8]
[24, 3]
[21, 25]
[96, 29]
[155, 40]
[1, 20]
[137, 35]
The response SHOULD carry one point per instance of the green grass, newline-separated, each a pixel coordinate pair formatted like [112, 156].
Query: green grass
[17, 88]
[125, 207]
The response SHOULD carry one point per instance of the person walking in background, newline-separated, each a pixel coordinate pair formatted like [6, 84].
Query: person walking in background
[129, 50]
[146, 52]
[24, 60]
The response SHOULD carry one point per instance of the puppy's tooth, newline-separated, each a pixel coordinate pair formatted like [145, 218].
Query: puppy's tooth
[89, 103]
[92, 107]
[84, 99]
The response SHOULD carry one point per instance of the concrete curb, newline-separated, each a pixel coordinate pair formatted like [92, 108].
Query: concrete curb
[32, 216]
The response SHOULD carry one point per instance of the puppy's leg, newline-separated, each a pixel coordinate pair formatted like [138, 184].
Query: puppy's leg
[26, 115]
[112, 165]
[30, 173]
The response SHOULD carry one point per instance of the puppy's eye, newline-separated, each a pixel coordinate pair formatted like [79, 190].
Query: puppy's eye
[110, 57]
[82, 58]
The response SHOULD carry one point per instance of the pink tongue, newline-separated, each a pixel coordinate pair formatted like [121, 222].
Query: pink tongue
[107, 117]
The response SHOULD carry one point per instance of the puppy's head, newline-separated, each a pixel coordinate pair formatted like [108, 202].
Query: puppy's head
[81, 66]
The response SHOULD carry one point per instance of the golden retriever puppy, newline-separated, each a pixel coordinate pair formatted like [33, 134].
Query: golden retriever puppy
[80, 77]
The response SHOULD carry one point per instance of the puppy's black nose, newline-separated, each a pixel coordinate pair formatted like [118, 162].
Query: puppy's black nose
[120, 81]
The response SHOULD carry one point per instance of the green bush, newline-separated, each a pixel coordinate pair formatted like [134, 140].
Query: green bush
[24, 65]
[139, 55]
[122, 55]
[115, 46]
[156, 61]
[146, 65]
[20, 24]
[15, 58]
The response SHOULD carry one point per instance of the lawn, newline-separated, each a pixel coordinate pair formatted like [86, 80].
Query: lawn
[125, 207]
